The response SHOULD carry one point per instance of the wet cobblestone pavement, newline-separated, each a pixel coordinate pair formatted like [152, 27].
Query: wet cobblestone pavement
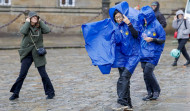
[81, 87]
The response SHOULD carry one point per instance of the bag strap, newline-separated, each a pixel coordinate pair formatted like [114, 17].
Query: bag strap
[179, 25]
[185, 23]
[33, 40]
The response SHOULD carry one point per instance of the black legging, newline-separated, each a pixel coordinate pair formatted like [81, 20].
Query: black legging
[26, 63]
[181, 47]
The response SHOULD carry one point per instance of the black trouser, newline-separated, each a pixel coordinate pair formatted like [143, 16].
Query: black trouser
[149, 78]
[182, 48]
[123, 86]
[26, 63]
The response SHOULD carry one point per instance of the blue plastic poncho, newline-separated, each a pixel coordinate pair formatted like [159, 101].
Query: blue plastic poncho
[150, 52]
[99, 41]
[110, 44]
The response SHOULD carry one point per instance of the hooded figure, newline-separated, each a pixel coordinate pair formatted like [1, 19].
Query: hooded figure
[183, 28]
[158, 15]
[182, 25]
[112, 44]
[101, 46]
[152, 44]
[32, 30]
[151, 51]
[126, 50]
[127, 45]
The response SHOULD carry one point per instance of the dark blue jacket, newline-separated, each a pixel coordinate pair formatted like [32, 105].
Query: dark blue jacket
[151, 52]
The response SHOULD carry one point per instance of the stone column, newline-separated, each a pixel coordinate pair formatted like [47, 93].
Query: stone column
[105, 8]
[26, 13]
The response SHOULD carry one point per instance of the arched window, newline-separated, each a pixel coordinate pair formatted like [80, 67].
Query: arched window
[67, 3]
[5, 2]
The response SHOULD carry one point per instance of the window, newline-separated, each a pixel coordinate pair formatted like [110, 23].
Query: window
[188, 7]
[67, 3]
[5, 2]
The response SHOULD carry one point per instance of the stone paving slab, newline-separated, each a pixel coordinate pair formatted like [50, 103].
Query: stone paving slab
[81, 87]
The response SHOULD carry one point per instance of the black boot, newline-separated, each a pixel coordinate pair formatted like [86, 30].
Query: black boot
[14, 96]
[175, 62]
[127, 101]
[147, 98]
[187, 63]
[50, 96]
[155, 96]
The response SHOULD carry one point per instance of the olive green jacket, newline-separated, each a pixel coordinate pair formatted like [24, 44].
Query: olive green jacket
[27, 45]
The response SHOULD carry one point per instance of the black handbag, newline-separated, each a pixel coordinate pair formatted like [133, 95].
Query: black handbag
[41, 51]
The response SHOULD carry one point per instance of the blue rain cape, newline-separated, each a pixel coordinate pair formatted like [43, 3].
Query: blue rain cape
[150, 52]
[110, 44]
[99, 41]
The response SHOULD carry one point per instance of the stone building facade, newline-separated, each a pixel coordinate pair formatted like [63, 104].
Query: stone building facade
[69, 13]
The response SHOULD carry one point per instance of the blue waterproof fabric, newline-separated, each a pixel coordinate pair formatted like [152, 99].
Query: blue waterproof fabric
[99, 41]
[127, 47]
[150, 52]
[112, 44]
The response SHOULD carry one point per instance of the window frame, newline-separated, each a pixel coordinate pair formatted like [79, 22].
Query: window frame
[2, 3]
[66, 3]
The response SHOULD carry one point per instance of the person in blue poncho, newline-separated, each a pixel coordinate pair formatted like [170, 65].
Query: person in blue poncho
[115, 43]
[152, 45]
[126, 52]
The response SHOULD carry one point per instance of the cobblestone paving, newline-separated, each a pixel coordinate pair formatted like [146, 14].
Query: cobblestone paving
[81, 87]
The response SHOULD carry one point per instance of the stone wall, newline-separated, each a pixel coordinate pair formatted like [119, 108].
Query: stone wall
[50, 10]
[166, 8]
[83, 11]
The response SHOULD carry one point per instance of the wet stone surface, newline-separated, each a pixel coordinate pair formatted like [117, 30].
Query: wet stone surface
[81, 87]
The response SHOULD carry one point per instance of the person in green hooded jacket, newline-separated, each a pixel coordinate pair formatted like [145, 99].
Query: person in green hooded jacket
[32, 31]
